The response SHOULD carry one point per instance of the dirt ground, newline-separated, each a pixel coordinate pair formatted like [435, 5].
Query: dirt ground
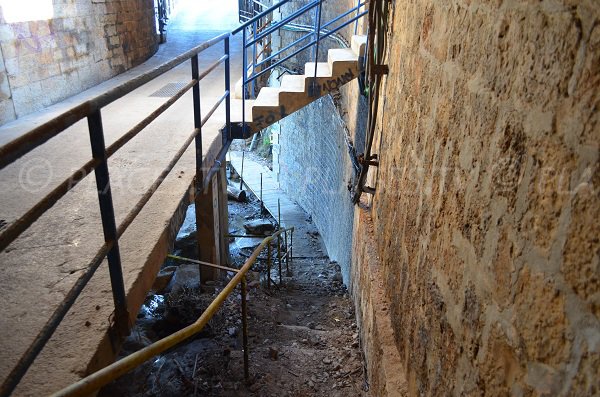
[303, 339]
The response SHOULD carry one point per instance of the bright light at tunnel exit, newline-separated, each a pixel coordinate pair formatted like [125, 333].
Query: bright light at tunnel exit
[26, 10]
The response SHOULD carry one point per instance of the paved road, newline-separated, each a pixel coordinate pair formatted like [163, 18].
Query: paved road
[38, 268]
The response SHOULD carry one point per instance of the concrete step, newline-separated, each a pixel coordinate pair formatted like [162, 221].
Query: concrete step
[292, 83]
[323, 69]
[342, 60]
[266, 109]
[359, 44]
[274, 103]
[267, 97]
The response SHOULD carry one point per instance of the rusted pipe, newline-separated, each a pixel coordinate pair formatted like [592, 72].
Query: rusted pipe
[201, 263]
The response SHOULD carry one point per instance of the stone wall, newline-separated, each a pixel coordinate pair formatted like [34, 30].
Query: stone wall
[85, 43]
[485, 220]
[480, 250]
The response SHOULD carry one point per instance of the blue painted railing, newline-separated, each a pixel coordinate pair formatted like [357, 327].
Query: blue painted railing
[253, 33]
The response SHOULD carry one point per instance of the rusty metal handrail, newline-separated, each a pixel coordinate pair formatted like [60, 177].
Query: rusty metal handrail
[100, 378]
[42, 133]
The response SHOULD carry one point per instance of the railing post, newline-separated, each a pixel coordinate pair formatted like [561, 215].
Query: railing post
[254, 26]
[262, 204]
[228, 89]
[279, 256]
[269, 265]
[197, 124]
[357, 14]
[314, 86]
[109, 225]
[279, 237]
[244, 78]
[287, 255]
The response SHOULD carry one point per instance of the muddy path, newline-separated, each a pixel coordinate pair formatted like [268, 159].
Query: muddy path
[303, 339]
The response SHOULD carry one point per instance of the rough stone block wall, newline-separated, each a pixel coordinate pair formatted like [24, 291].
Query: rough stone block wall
[315, 170]
[85, 43]
[486, 216]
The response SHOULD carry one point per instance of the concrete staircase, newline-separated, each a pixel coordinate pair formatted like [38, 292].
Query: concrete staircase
[296, 91]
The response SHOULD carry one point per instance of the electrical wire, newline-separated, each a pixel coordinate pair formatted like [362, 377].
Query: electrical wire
[376, 48]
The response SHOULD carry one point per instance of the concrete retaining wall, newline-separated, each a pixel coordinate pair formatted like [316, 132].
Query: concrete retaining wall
[315, 170]
[85, 43]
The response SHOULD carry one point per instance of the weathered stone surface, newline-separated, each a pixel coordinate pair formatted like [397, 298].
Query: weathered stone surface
[485, 221]
[486, 206]
[85, 43]
[187, 276]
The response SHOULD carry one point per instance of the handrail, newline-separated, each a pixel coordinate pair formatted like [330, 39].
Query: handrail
[107, 374]
[284, 21]
[110, 249]
[43, 132]
[310, 44]
[15, 229]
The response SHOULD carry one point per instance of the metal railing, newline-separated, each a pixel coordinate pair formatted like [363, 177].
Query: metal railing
[251, 36]
[91, 110]
[93, 382]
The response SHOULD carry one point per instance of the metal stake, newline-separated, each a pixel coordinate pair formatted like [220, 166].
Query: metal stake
[242, 173]
[279, 238]
[245, 329]
[279, 257]
[262, 206]
[269, 265]
[287, 256]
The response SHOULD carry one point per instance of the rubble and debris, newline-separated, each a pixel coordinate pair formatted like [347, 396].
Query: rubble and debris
[236, 194]
[185, 276]
[303, 338]
[259, 226]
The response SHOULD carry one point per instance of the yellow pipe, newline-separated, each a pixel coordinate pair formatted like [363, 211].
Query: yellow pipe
[93, 382]
[181, 258]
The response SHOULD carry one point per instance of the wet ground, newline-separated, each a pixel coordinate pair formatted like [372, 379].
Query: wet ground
[303, 340]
